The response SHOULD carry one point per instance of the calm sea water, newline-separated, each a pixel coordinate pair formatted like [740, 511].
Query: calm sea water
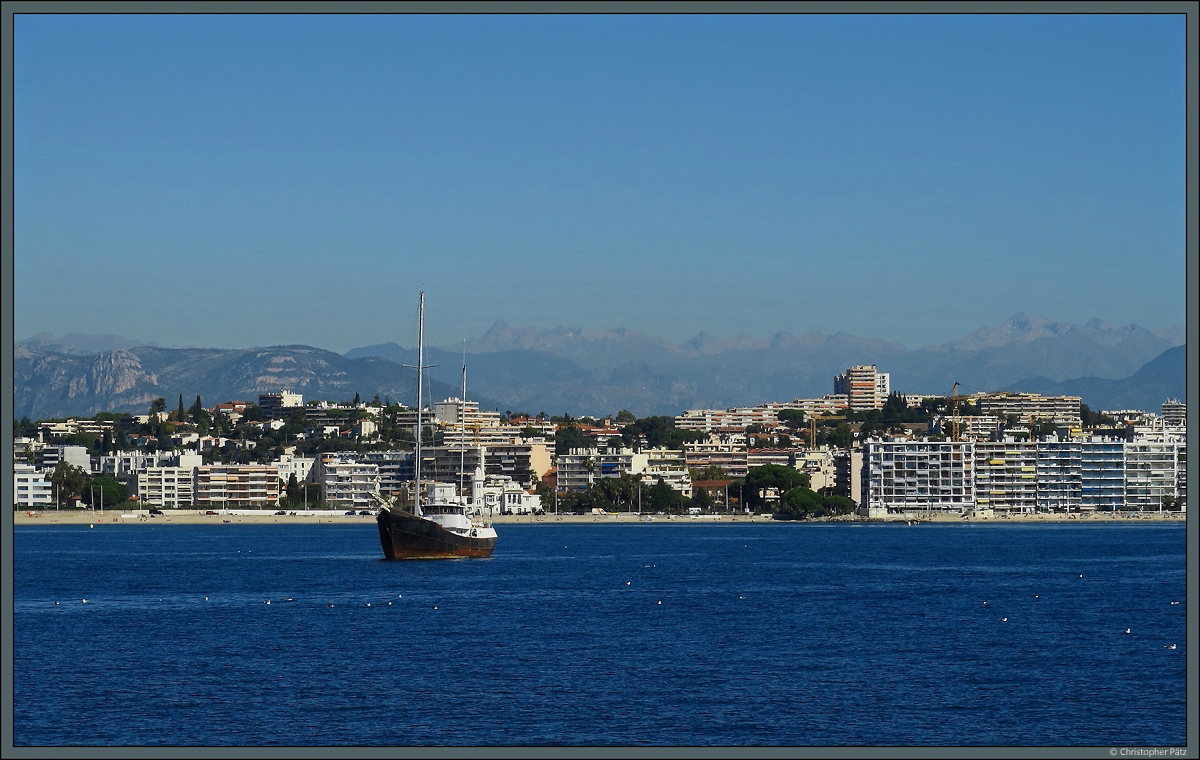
[656, 634]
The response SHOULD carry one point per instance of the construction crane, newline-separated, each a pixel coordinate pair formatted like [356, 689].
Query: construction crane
[954, 418]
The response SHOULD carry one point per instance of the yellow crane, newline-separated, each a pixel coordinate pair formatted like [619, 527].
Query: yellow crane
[954, 418]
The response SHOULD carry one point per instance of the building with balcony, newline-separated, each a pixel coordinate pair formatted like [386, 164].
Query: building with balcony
[242, 486]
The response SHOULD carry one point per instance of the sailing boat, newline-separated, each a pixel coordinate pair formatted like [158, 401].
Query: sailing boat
[437, 527]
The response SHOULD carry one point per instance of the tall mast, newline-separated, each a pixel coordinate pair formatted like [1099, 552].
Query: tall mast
[420, 367]
[462, 436]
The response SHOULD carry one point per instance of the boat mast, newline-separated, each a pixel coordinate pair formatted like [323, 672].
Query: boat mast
[462, 436]
[420, 367]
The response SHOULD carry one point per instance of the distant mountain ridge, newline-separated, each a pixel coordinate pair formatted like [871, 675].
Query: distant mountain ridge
[1159, 379]
[596, 372]
[50, 385]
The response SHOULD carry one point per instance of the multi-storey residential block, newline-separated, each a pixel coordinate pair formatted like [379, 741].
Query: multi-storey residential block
[1064, 409]
[289, 466]
[396, 470]
[669, 466]
[862, 385]
[1102, 476]
[579, 468]
[31, 487]
[1059, 476]
[77, 456]
[1174, 412]
[280, 404]
[918, 476]
[347, 482]
[730, 457]
[523, 462]
[1151, 472]
[237, 486]
[973, 427]
[1006, 479]
[169, 487]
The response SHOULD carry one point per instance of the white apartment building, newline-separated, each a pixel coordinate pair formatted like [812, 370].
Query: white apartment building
[1151, 472]
[289, 465]
[910, 477]
[31, 487]
[1059, 475]
[731, 457]
[1063, 409]
[77, 456]
[669, 466]
[579, 468]
[966, 426]
[278, 404]
[1102, 476]
[1006, 478]
[862, 385]
[347, 482]
[1174, 412]
[231, 486]
[167, 487]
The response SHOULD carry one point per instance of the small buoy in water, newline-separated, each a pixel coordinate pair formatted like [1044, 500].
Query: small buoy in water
[399, 596]
[331, 605]
[435, 606]
[389, 604]
[1035, 596]
[368, 604]
[1168, 646]
[627, 583]
[1174, 602]
[1126, 630]
[83, 600]
[56, 602]
[91, 526]
[267, 602]
[205, 599]
[1003, 620]
[1081, 575]
[660, 601]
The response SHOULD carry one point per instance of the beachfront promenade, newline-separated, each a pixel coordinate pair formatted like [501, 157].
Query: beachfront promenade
[199, 517]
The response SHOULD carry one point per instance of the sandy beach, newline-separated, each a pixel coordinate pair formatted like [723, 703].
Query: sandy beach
[199, 517]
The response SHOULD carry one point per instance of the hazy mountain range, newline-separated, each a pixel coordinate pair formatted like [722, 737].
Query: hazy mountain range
[595, 372]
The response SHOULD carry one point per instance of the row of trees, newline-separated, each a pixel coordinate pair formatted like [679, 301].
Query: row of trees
[782, 489]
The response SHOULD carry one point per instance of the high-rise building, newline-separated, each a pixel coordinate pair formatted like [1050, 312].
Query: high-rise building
[862, 385]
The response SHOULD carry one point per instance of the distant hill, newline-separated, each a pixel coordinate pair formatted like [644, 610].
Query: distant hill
[598, 372]
[1159, 379]
[603, 371]
[50, 385]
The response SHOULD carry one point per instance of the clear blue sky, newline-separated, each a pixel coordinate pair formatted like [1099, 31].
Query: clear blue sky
[242, 180]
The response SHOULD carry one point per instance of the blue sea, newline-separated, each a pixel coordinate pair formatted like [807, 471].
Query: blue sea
[600, 635]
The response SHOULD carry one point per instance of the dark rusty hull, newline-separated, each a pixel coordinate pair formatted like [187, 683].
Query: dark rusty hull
[405, 536]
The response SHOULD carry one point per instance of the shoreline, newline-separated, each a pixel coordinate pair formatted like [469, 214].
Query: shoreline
[198, 517]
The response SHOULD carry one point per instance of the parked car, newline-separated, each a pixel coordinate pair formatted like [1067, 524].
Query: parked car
[364, 511]
[156, 511]
[210, 512]
[281, 512]
[351, 512]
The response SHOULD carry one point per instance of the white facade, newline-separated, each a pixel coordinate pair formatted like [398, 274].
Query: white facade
[579, 468]
[347, 482]
[910, 477]
[169, 487]
[31, 488]
[1151, 473]
[1006, 479]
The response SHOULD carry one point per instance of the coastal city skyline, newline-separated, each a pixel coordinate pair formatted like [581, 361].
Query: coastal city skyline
[908, 178]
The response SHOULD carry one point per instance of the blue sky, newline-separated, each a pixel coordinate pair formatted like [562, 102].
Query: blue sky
[242, 180]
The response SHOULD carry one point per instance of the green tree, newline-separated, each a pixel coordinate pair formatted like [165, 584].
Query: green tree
[776, 476]
[67, 481]
[104, 493]
[625, 417]
[158, 405]
[793, 418]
